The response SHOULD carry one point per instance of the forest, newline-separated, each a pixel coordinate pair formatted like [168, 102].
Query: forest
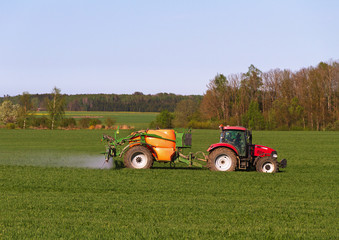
[136, 102]
[307, 99]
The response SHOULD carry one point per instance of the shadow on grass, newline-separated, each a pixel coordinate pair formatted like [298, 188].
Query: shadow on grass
[181, 168]
[120, 165]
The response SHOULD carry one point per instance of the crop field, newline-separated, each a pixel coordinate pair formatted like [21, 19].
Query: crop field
[52, 186]
[136, 119]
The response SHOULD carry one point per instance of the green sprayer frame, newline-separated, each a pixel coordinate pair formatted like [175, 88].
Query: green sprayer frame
[117, 147]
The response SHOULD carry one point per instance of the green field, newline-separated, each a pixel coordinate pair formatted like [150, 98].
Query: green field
[51, 186]
[134, 119]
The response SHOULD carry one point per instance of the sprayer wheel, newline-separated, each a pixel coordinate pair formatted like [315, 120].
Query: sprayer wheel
[138, 157]
[267, 165]
[222, 159]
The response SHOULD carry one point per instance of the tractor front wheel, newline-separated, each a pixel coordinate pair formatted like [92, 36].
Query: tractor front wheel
[267, 165]
[138, 157]
[222, 159]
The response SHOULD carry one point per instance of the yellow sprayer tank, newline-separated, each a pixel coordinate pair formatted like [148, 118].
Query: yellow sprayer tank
[164, 149]
[157, 142]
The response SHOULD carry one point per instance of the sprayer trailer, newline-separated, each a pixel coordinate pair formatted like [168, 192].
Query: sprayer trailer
[235, 150]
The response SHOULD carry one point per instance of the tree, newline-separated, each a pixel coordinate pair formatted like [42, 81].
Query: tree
[252, 82]
[216, 101]
[295, 112]
[253, 118]
[25, 107]
[9, 112]
[235, 106]
[55, 106]
[163, 120]
[250, 88]
[184, 112]
[110, 122]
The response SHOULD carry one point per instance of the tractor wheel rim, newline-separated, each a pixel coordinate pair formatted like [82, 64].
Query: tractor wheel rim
[268, 167]
[223, 163]
[139, 160]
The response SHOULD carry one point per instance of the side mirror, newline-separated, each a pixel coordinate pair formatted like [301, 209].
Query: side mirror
[249, 136]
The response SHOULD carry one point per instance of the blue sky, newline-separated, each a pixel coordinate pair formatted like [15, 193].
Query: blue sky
[156, 46]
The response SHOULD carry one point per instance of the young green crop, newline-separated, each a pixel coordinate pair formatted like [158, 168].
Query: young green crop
[41, 201]
[134, 119]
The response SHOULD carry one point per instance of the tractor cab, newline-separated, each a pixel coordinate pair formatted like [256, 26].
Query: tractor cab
[239, 137]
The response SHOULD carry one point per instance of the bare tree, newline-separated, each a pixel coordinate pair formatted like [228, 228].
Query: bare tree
[216, 101]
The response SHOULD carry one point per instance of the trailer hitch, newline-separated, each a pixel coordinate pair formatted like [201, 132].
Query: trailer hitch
[107, 138]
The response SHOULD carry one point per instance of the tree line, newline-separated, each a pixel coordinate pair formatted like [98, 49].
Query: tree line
[136, 102]
[18, 111]
[307, 99]
[22, 114]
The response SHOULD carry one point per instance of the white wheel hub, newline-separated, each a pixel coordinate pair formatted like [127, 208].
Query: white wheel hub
[139, 160]
[223, 163]
[268, 167]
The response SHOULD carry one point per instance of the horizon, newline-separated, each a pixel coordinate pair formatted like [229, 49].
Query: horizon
[151, 94]
[179, 94]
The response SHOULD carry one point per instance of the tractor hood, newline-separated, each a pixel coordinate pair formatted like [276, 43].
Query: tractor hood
[262, 151]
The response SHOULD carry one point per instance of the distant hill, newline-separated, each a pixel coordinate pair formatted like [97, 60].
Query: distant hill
[137, 102]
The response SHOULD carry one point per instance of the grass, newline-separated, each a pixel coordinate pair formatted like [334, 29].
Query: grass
[47, 191]
[137, 119]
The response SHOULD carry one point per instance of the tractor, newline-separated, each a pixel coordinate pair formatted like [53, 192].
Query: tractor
[234, 151]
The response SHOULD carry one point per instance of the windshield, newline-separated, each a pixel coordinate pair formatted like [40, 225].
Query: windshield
[236, 138]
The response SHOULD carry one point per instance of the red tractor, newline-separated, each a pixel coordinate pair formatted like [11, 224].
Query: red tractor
[236, 151]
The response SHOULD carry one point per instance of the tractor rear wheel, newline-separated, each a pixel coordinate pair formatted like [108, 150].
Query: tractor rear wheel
[222, 159]
[138, 157]
[267, 165]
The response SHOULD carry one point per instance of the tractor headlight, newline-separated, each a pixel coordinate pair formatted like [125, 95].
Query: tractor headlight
[274, 155]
